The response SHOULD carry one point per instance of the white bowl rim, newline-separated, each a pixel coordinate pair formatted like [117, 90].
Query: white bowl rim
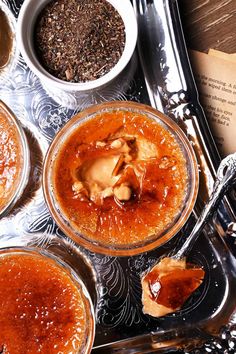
[126, 11]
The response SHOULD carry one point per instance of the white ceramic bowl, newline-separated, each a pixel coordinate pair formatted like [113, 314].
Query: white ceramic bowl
[67, 91]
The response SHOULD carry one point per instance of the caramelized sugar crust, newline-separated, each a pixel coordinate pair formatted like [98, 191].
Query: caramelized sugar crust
[168, 285]
[10, 159]
[42, 311]
[147, 185]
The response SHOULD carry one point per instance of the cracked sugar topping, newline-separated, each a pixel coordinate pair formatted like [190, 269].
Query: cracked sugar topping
[121, 178]
[168, 285]
[42, 311]
[10, 159]
[79, 40]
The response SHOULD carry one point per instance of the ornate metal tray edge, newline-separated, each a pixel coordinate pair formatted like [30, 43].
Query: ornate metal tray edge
[181, 103]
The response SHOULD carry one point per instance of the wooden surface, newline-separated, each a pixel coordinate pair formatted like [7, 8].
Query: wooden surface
[209, 24]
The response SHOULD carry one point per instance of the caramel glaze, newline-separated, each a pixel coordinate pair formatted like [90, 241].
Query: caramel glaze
[5, 40]
[157, 196]
[41, 309]
[174, 288]
[10, 158]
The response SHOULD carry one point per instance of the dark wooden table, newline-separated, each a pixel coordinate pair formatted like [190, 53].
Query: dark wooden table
[209, 24]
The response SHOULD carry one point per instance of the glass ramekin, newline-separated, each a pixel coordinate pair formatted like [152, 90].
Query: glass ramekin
[114, 249]
[23, 174]
[64, 267]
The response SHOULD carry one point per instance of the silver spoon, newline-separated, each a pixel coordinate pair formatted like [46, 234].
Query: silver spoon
[225, 178]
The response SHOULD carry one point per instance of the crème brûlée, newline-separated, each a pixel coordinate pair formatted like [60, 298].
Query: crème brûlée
[120, 178]
[42, 310]
[11, 158]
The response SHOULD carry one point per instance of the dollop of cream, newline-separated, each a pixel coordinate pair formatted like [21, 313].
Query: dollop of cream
[99, 178]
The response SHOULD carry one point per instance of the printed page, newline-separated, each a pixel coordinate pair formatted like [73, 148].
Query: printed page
[222, 55]
[216, 81]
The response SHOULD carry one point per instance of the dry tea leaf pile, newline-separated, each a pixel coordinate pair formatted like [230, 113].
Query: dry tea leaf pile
[79, 40]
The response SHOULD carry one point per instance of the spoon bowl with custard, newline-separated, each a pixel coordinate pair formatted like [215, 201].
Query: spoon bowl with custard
[120, 178]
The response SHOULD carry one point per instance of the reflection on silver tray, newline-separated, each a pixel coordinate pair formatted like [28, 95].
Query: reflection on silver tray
[121, 325]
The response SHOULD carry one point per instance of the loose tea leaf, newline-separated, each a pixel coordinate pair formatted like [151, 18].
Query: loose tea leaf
[79, 40]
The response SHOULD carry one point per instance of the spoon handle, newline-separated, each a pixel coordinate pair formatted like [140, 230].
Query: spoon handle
[225, 178]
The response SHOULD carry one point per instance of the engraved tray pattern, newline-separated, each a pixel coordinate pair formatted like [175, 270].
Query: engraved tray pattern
[208, 317]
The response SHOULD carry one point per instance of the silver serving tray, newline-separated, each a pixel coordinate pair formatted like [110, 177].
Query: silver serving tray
[163, 79]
